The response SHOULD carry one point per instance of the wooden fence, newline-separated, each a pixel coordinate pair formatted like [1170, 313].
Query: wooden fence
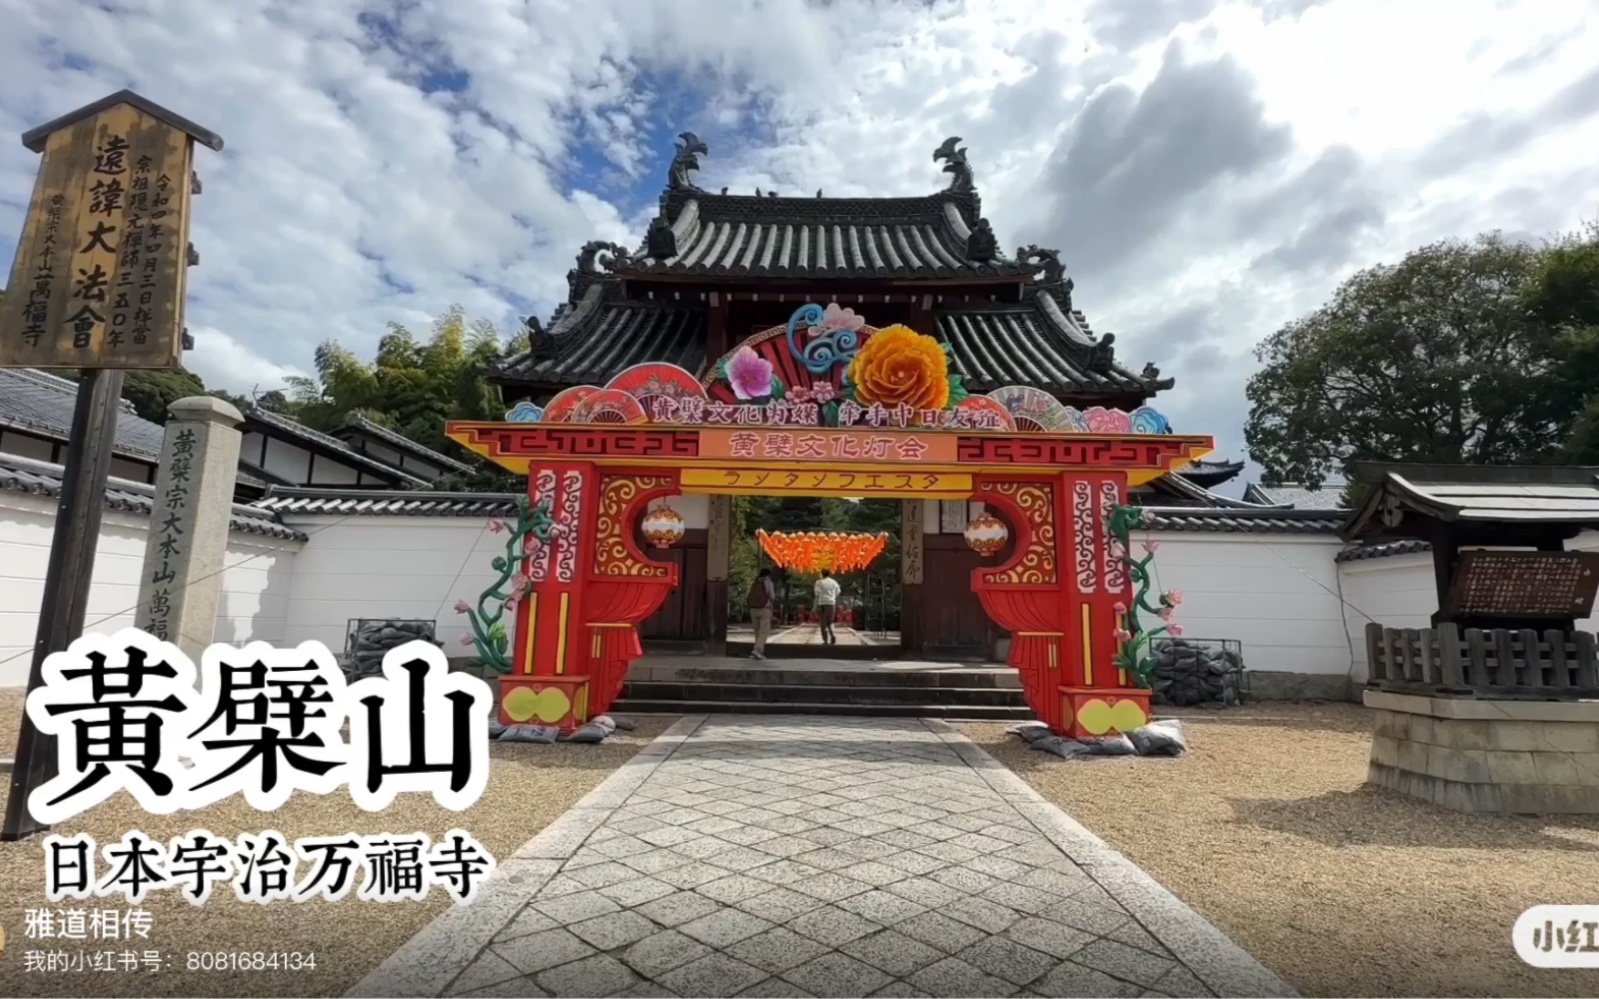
[1501, 662]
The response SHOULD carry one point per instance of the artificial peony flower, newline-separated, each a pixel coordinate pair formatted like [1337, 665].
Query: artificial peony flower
[462, 607]
[823, 392]
[1174, 597]
[1150, 547]
[749, 374]
[468, 640]
[496, 526]
[1119, 607]
[1123, 635]
[510, 605]
[900, 366]
[1175, 630]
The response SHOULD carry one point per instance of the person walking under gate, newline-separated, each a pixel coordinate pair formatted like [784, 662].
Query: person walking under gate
[827, 605]
[762, 596]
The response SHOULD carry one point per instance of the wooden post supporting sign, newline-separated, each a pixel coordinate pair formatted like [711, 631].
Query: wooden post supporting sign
[98, 286]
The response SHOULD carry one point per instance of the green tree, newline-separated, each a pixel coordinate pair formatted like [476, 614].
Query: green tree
[413, 386]
[1435, 358]
[1564, 296]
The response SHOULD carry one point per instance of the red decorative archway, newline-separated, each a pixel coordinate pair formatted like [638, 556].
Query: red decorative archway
[656, 431]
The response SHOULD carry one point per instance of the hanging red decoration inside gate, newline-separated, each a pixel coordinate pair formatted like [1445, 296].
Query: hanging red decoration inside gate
[811, 552]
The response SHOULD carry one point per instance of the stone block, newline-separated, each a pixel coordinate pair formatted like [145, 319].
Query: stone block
[1390, 725]
[1413, 757]
[1461, 733]
[1511, 767]
[1468, 766]
[1466, 797]
[1385, 750]
[1556, 768]
[1517, 736]
[1422, 728]
[1548, 799]
[1569, 737]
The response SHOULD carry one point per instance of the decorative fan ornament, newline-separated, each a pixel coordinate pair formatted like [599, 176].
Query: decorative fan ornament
[663, 527]
[986, 534]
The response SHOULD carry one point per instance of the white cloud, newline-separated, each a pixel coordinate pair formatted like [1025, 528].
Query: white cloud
[349, 196]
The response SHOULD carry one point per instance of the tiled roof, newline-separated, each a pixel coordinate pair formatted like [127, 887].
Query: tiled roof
[385, 503]
[1035, 342]
[1245, 521]
[356, 424]
[1382, 550]
[1292, 494]
[1211, 473]
[42, 403]
[318, 441]
[1405, 498]
[750, 236]
[24, 475]
[600, 335]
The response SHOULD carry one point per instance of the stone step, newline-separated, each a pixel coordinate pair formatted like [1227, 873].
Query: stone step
[772, 674]
[957, 712]
[771, 693]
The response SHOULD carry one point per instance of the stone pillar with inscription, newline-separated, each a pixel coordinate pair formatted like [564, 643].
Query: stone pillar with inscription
[181, 586]
[718, 563]
[910, 574]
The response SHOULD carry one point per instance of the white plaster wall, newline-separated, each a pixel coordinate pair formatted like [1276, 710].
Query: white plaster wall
[388, 567]
[254, 584]
[1275, 593]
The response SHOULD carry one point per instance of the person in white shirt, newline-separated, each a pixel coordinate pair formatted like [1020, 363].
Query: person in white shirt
[762, 597]
[827, 605]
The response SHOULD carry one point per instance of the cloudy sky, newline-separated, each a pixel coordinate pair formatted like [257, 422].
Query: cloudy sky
[1208, 169]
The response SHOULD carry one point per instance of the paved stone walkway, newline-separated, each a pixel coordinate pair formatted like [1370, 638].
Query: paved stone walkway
[831, 857]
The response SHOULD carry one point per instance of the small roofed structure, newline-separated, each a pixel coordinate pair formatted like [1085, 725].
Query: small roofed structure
[1456, 507]
[1463, 712]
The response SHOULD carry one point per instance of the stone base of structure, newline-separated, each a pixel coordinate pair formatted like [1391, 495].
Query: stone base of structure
[1515, 757]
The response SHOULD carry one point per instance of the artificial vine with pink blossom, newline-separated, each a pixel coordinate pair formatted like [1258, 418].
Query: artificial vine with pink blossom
[532, 529]
[1135, 652]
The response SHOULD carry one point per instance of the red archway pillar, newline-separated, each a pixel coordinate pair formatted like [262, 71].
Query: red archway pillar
[576, 630]
[1058, 596]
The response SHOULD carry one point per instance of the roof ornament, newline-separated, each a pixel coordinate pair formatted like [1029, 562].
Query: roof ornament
[818, 192]
[1102, 355]
[981, 245]
[540, 343]
[1046, 265]
[1150, 372]
[594, 255]
[686, 161]
[660, 241]
[955, 164]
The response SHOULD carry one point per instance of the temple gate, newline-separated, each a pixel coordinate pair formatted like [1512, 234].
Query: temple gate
[825, 406]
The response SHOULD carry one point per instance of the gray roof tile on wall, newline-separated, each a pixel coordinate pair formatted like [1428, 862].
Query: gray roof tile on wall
[41, 478]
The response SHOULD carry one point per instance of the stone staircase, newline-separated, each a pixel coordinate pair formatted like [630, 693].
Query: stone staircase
[823, 687]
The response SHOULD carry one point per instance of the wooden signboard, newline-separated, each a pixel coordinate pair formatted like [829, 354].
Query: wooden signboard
[98, 278]
[1525, 584]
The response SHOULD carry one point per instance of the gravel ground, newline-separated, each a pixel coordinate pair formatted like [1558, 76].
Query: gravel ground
[1268, 830]
[529, 785]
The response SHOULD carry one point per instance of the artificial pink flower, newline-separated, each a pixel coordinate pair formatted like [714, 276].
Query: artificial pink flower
[519, 584]
[496, 526]
[1123, 635]
[823, 392]
[1119, 607]
[1165, 613]
[1149, 518]
[1174, 597]
[798, 395]
[462, 607]
[1150, 547]
[468, 640]
[510, 605]
[749, 374]
[835, 317]
[1174, 630]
